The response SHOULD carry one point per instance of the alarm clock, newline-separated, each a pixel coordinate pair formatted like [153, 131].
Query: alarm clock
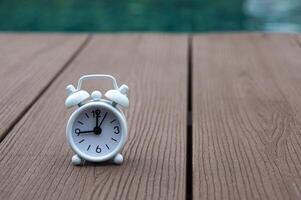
[97, 129]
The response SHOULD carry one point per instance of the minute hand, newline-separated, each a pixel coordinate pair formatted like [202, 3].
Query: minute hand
[97, 116]
[103, 119]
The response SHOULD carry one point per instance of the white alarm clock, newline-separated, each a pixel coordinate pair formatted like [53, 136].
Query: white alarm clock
[97, 130]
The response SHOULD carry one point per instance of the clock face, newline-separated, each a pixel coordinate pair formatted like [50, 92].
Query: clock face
[96, 131]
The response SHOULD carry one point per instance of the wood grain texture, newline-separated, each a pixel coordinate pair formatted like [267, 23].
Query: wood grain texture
[28, 63]
[35, 158]
[246, 116]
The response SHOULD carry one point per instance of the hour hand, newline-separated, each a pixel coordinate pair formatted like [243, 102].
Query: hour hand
[78, 131]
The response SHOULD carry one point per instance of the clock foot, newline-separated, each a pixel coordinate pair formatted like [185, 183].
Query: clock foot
[76, 160]
[118, 159]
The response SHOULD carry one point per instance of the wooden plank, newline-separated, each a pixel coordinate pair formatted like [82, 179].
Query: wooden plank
[28, 63]
[35, 158]
[246, 116]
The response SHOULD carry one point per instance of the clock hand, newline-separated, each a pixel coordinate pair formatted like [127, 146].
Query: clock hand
[103, 119]
[78, 132]
[97, 116]
[92, 131]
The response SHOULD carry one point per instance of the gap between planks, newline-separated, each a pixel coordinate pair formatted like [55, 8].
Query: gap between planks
[189, 121]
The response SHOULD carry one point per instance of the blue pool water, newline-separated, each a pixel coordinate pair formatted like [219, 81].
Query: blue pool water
[150, 15]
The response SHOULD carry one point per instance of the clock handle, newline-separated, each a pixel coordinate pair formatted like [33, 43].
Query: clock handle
[96, 76]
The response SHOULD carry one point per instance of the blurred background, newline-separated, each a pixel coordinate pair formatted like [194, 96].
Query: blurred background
[150, 15]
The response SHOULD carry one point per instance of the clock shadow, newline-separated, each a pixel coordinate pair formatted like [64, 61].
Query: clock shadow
[88, 164]
[97, 164]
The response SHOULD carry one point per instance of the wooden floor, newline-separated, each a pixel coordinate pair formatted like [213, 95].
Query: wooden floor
[213, 116]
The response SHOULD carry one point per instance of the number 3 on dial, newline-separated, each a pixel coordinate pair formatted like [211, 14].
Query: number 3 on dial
[116, 129]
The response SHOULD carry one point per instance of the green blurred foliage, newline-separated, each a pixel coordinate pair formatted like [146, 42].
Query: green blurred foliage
[122, 15]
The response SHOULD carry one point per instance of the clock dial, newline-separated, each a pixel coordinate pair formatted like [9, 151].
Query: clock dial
[96, 131]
